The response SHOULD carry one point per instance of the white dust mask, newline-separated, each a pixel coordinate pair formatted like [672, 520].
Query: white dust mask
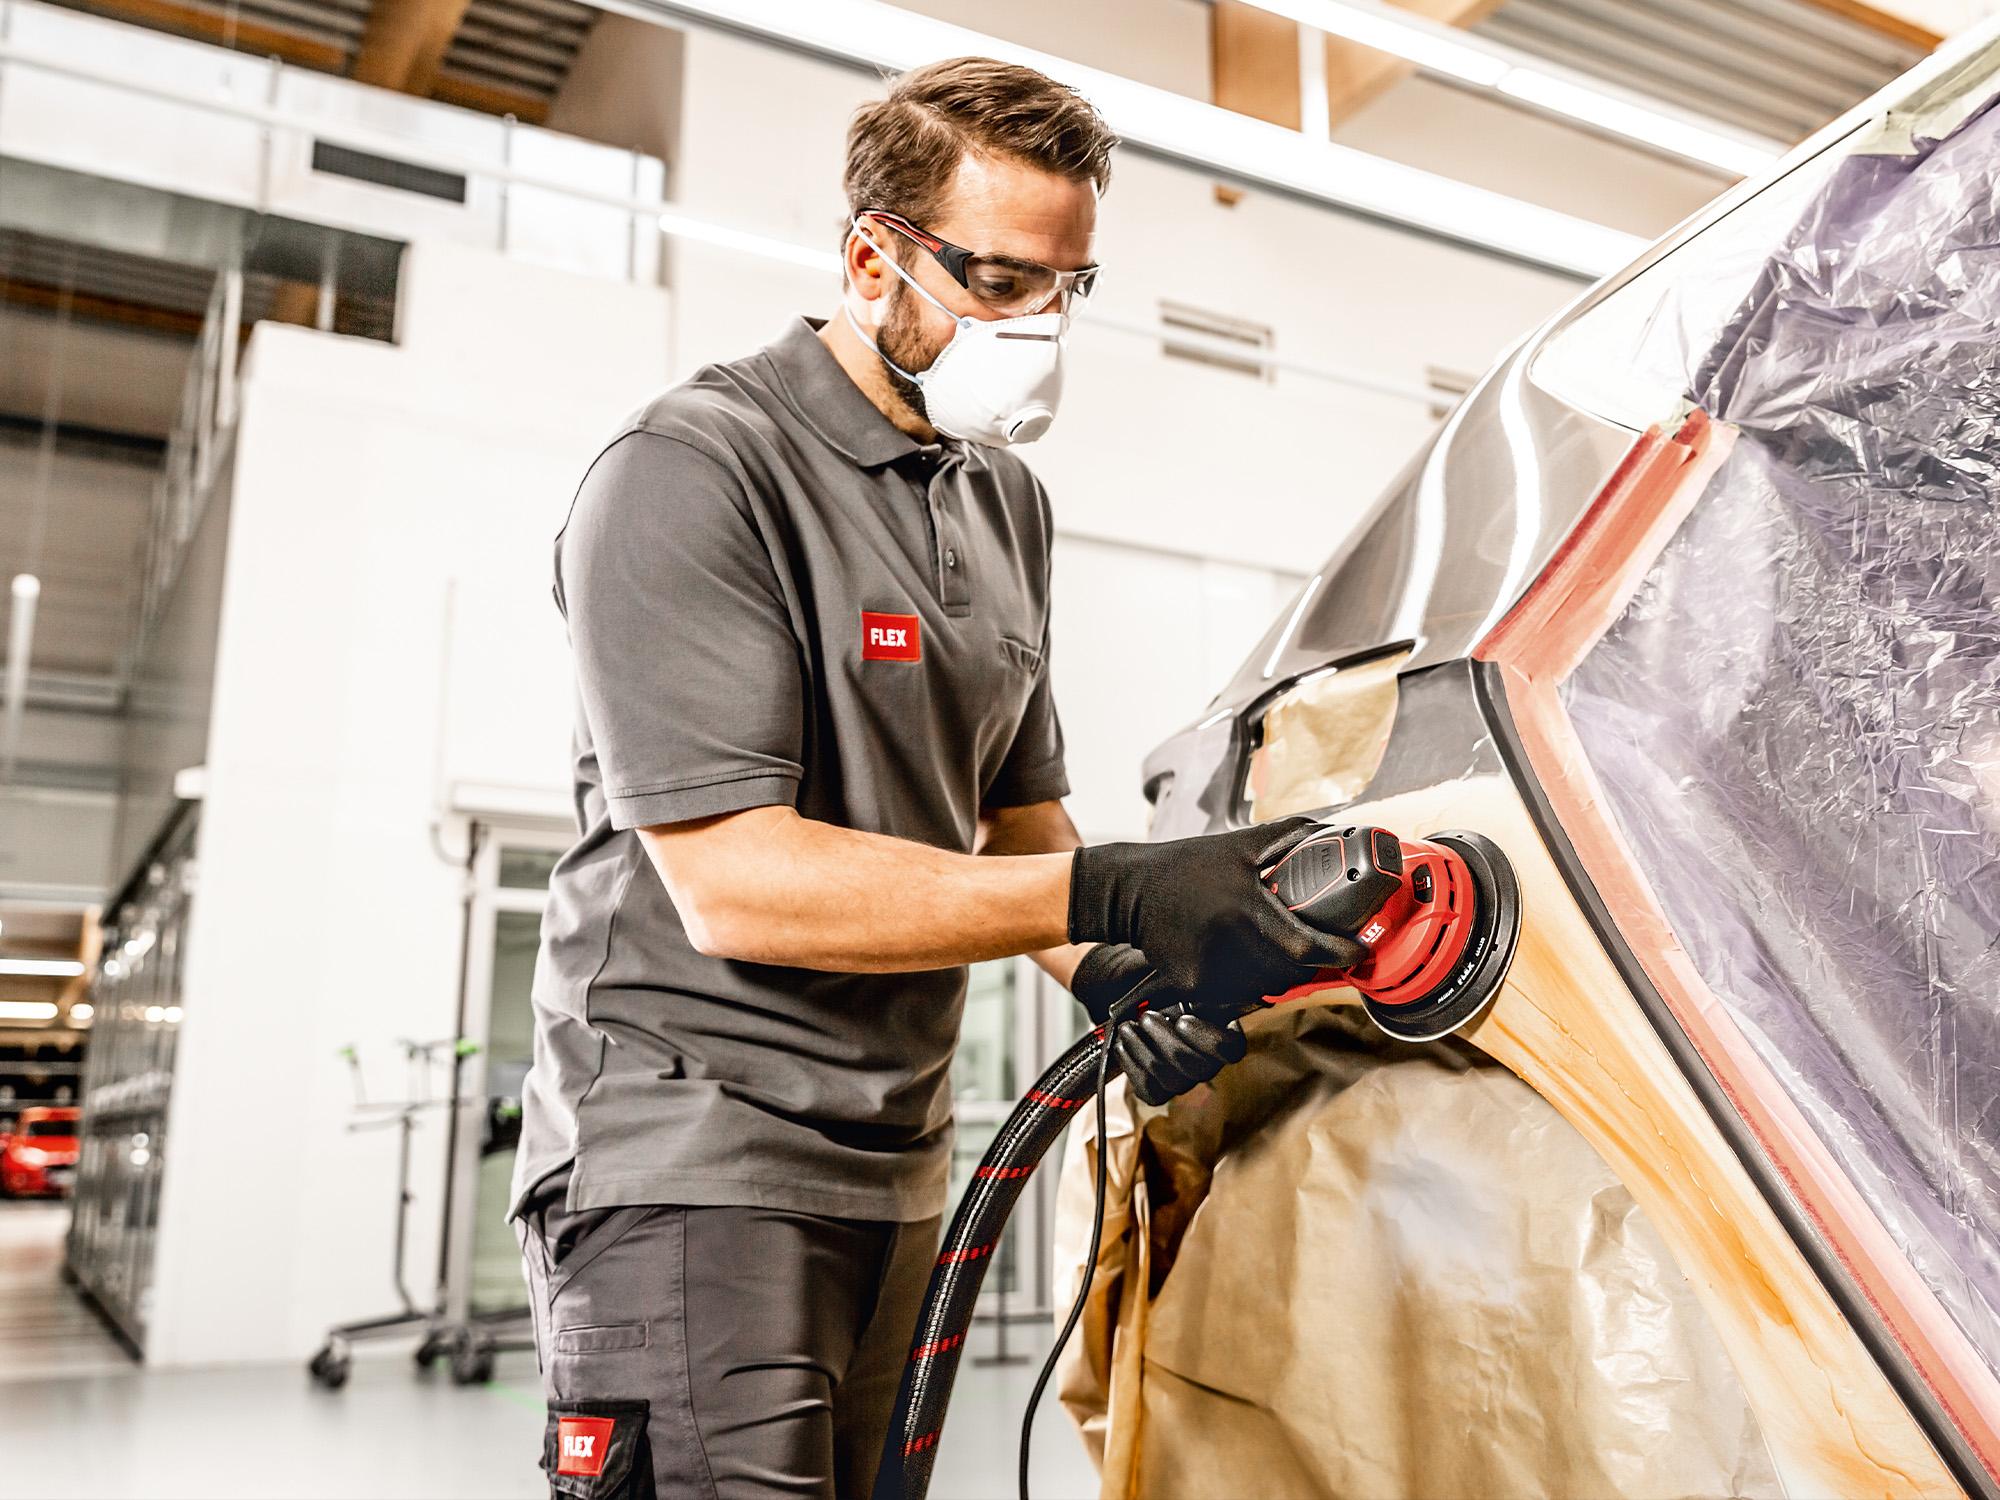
[997, 382]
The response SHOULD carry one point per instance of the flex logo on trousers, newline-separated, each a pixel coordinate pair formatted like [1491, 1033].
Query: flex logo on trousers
[890, 637]
[581, 1444]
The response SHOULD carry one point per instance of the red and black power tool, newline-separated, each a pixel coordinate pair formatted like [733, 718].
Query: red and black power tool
[1439, 917]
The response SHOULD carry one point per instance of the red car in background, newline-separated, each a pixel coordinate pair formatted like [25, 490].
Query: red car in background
[39, 1157]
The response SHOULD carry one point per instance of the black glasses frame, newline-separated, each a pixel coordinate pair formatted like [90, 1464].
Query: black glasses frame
[956, 259]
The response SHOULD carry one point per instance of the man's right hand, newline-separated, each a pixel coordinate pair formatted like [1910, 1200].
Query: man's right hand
[1200, 911]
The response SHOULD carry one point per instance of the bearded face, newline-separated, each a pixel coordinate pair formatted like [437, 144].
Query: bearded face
[911, 337]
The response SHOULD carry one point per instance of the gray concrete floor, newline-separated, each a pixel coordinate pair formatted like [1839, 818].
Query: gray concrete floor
[45, 1329]
[99, 1428]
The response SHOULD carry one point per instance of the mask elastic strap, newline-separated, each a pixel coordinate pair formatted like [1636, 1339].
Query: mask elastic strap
[915, 286]
[862, 334]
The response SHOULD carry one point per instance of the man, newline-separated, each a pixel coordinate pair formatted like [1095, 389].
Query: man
[818, 771]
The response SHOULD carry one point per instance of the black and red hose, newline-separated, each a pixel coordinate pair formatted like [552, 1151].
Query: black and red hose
[969, 1244]
[1436, 921]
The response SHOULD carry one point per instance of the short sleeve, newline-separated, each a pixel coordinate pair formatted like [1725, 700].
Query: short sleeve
[1033, 770]
[687, 664]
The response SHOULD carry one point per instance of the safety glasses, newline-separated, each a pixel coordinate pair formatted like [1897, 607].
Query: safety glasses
[1009, 285]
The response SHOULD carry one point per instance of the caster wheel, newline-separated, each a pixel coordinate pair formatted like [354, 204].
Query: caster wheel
[472, 1363]
[330, 1368]
[431, 1350]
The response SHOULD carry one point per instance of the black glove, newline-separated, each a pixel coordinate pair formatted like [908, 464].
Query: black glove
[1108, 973]
[1201, 912]
[1164, 1055]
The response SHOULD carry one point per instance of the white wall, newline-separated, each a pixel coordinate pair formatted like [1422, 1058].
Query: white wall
[1161, 42]
[1482, 139]
[624, 89]
[371, 480]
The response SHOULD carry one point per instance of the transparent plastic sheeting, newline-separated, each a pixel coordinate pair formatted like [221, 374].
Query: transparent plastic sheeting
[1408, 1276]
[1797, 721]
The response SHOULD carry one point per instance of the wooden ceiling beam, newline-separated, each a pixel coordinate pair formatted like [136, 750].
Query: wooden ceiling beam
[1358, 75]
[84, 305]
[241, 35]
[468, 93]
[1254, 62]
[1896, 28]
[404, 43]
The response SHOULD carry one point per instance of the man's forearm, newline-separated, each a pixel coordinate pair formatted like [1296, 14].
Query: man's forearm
[768, 886]
[1040, 828]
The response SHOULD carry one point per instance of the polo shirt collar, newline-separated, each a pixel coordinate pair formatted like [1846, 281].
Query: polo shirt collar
[825, 395]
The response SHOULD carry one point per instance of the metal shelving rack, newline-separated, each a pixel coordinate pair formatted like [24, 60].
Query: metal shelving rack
[128, 1077]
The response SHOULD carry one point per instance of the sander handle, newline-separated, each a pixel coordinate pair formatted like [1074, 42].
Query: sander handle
[1336, 880]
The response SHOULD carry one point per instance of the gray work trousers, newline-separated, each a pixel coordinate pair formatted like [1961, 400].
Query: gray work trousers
[716, 1353]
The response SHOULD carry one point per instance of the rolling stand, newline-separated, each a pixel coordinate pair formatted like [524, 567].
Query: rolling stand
[468, 1346]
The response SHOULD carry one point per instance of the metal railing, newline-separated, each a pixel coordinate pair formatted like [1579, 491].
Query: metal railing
[281, 128]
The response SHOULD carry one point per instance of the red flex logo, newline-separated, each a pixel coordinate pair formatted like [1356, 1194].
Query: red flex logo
[890, 637]
[582, 1444]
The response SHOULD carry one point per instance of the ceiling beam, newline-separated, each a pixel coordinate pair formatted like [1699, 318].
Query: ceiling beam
[239, 35]
[1358, 75]
[325, 57]
[404, 43]
[469, 93]
[1254, 63]
[85, 305]
[1896, 28]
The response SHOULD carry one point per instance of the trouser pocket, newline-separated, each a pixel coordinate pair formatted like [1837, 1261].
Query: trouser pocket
[597, 1450]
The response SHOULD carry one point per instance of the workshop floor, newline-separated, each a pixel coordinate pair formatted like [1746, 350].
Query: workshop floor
[99, 1428]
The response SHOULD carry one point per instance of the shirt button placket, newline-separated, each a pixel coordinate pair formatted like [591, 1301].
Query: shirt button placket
[953, 591]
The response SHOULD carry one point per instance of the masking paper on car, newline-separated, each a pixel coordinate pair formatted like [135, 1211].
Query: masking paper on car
[1796, 721]
[1323, 738]
[1358, 1268]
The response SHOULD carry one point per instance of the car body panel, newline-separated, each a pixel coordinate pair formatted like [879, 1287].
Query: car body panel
[1509, 551]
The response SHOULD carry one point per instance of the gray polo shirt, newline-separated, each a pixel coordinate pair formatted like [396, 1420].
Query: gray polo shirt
[774, 596]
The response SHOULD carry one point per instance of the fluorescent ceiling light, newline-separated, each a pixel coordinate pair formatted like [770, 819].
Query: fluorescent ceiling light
[81, 1012]
[1455, 53]
[27, 1010]
[41, 968]
[687, 227]
[1668, 132]
[875, 35]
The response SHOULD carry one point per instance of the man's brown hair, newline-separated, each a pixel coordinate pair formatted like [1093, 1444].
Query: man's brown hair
[903, 152]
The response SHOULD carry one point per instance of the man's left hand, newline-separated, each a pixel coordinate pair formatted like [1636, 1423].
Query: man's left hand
[1163, 1055]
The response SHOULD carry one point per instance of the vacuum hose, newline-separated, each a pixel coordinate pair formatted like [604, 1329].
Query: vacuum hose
[1040, 1117]
[1437, 921]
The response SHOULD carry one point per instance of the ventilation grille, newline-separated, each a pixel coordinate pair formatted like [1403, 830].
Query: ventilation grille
[1215, 339]
[386, 171]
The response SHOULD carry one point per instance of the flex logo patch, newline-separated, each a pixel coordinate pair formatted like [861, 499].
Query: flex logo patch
[891, 637]
[582, 1444]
